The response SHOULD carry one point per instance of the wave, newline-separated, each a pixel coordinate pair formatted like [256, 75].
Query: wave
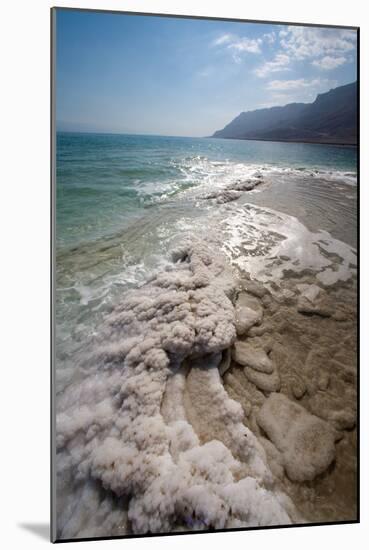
[198, 175]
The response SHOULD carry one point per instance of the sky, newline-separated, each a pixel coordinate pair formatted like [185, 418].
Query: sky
[187, 77]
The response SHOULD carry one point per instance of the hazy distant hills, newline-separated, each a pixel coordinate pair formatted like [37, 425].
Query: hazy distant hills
[330, 119]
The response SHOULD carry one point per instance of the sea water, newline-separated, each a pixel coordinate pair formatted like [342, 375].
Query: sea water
[122, 202]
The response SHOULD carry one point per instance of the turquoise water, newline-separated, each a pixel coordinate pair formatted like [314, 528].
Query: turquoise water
[104, 181]
[123, 202]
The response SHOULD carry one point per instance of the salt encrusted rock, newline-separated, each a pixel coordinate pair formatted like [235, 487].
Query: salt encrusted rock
[339, 411]
[344, 419]
[323, 380]
[260, 330]
[254, 288]
[274, 457]
[310, 292]
[307, 308]
[248, 355]
[347, 372]
[245, 390]
[306, 442]
[247, 185]
[298, 388]
[265, 382]
[340, 315]
[287, 296]
[225, 362]
[223, 196]
[249, 312]
[313, 301]
[233, 191]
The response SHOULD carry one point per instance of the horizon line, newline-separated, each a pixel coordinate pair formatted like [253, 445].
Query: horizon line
[107, 132]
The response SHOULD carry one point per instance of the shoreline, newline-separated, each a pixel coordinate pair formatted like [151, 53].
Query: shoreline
[310, 142]
[80, 132]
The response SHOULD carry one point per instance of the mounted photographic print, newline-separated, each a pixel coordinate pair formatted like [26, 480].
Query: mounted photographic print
[204, 228]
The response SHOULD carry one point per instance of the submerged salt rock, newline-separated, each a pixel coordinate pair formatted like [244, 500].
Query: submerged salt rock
[228, 196]
[223, 195]
[340, 315]
[306, 442]
[254, 288]
[304, 306]
[344, 419]
[339, 411]
[249, 312]
[323, 380]
[248, 355]
[298, 388]
[347, 372]
[247, 393]
[313, 301]
[247, 185]
[310, 292]
[265, 382]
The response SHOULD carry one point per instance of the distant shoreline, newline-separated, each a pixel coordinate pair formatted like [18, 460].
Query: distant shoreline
[312, 142]
[336, 144]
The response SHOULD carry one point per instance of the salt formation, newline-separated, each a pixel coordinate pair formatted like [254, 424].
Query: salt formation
[248, 312]
[148, 439]
[250, 355]
[234, 190]
[264, 381]
[305, 441]
[259, 369]
[306, 424]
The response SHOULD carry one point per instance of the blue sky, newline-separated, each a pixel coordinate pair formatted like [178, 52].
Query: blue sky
[187, 77]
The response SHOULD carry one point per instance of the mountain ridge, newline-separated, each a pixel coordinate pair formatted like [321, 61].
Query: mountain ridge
[331, 118]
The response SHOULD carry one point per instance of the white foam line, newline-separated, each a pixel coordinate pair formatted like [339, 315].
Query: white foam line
[267, 243]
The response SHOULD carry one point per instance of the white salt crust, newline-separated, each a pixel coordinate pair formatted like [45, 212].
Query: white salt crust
[148, 420]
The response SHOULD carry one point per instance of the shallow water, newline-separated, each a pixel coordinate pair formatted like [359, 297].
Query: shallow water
[124, 201]
[104, 181]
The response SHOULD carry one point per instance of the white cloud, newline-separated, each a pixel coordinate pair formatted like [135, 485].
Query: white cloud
[324, 48]
[328, 63]
[248, 45]
[269, 37]
[223, 39]
[298, 84]
[297, 90]
[279, 63]
[311, 42]
[238, 45]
